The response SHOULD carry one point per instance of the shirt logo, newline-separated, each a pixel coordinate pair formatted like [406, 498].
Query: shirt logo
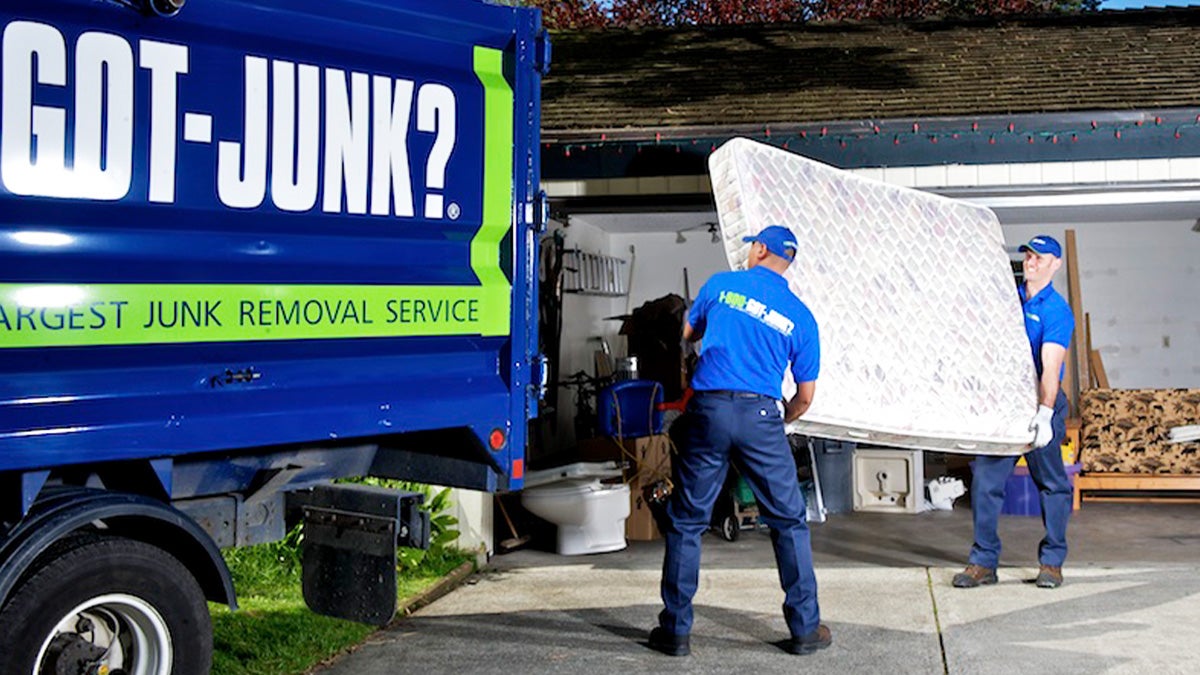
[759, 311]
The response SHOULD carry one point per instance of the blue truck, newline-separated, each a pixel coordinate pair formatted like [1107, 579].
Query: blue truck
[248, 248]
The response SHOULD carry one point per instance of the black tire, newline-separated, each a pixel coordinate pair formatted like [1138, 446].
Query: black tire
[127, 571]
[730, 528]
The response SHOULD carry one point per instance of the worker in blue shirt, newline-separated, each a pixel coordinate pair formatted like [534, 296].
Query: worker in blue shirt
[752, 326]
[1049, 324]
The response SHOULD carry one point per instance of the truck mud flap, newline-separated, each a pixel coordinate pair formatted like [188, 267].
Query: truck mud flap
[348, 551]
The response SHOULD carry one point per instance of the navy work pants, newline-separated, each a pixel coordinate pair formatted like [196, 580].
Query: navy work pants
[1054, 494]
[746, 429]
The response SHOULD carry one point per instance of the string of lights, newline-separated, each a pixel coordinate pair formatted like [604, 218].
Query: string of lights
[911, 133]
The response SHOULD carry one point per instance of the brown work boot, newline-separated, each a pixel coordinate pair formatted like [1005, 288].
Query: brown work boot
[669, 644]
[1049, 577]
[975, 575]
[820, 638]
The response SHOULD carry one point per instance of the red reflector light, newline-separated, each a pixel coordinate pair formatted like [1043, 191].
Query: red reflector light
[518, 470]
[497, 439]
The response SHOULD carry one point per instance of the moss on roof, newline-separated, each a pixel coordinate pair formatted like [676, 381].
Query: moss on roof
[785, 73]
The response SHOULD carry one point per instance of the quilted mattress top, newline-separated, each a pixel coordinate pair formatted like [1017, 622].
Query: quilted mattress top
[922, 336]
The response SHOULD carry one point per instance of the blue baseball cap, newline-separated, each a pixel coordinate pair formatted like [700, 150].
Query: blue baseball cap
[778, 240]
[1043, 244]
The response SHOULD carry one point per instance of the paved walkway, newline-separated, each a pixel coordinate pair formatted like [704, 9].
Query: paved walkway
[884, 589]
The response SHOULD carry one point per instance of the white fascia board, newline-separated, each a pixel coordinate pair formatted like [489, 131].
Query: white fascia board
[627, 187]
[1089, 197]
[1120, 180]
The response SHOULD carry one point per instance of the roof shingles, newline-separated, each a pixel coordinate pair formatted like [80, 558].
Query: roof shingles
[771, 74]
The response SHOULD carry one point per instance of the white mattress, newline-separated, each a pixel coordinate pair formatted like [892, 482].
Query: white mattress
[922, 337]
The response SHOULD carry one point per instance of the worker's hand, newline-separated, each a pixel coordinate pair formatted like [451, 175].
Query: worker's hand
[1043, 433]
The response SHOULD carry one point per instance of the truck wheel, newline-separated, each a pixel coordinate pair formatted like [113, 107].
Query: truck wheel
[107, 601]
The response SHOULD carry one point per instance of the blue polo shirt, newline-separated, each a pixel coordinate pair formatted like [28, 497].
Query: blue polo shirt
[753, 326]
[1048, 318]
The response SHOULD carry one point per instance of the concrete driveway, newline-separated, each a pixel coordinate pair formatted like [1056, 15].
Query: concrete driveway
[1130, 604]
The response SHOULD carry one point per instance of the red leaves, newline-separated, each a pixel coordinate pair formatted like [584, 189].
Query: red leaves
[574, 14]
[635, 13]
[571, 14]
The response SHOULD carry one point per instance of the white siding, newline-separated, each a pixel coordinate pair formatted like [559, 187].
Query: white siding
[583, 317]
[1140, 282]
[474, 512]
[658, 269]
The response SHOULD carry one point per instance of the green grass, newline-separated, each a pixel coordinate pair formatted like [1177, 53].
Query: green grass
[274, 633]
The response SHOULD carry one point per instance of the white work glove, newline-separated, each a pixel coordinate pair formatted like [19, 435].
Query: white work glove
[1040, 426]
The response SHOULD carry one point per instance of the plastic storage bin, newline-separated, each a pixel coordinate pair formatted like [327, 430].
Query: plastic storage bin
[1021, 493]
[835, 468]
[629, 409]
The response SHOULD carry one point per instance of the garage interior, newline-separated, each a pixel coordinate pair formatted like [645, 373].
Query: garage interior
[1104, 158]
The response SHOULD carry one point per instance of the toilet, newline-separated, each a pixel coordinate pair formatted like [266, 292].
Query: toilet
[590, 515]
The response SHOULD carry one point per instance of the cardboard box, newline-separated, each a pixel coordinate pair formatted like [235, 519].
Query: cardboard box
[648, 462]
[640, 525]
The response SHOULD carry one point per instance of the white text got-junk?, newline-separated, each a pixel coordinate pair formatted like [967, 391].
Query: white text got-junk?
[362, 166]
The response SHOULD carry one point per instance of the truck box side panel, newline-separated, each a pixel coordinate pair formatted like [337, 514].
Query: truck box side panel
[262, 223]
